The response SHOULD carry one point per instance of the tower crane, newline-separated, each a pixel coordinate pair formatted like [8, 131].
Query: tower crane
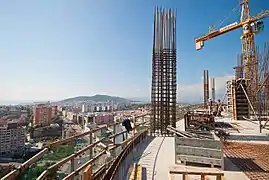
[251, 25]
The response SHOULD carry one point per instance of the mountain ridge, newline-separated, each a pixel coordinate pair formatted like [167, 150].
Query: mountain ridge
[96, 98]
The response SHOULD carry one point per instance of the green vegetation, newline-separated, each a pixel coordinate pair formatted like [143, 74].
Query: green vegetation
[48, 160]
[36, 170]
[61, 152]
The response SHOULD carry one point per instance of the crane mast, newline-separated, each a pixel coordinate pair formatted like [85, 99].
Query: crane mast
[250, 63]
[251, 26]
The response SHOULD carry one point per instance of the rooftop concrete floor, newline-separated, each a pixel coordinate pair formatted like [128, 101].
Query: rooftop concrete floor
[157, 155]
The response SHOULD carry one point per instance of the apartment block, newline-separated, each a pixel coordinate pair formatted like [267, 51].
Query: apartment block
[54, 110]
[42, 115]
[12, 138]
[104, 119]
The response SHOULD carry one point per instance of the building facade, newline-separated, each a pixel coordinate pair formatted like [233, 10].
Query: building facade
[104, 119]
[12, 138]
[42, 115]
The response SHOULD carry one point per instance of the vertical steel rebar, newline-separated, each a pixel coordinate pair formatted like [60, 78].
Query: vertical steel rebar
[213, 89]
[206, 88]
[164, 86]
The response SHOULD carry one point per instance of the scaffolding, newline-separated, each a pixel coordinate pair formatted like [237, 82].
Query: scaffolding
[164, 86]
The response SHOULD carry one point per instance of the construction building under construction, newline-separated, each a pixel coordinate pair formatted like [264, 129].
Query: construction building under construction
[164, 86]
[202, 144]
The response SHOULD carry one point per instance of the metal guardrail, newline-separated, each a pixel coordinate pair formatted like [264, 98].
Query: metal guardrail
[75, 172]
[13, 174]
[21, 169]
[118, 168]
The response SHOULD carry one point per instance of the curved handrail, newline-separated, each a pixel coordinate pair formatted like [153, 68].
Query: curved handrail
[112, 170]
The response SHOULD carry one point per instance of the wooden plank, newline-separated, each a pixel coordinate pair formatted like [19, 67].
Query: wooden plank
[205, 143]
[195, 171]
[199, 159]
[136, 172]
[199, 151]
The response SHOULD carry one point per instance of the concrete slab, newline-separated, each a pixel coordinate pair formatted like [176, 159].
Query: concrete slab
[149, 156]
[165, 159]
[232, 171]
[157, 155]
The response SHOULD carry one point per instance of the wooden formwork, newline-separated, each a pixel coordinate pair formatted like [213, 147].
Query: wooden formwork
[240, 102]
[199, 120]
[202, 172]
[199, 151]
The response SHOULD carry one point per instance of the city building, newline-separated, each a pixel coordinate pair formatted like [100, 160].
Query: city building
[100, 119]
[42, 115]
[12, 138]
[84, 108]
[54, 110]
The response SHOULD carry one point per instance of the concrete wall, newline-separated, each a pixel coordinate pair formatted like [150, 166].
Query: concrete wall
[202, 151]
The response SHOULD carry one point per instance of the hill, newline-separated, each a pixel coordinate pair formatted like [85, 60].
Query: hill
[96, 98]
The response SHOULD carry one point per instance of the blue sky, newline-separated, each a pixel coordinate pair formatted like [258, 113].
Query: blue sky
[56, 49]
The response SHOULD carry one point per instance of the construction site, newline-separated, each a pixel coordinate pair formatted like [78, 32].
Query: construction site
[223, 139]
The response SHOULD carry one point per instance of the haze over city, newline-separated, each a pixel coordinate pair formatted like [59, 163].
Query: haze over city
[51, 50]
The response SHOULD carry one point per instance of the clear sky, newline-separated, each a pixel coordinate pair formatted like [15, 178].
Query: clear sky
[53, 49]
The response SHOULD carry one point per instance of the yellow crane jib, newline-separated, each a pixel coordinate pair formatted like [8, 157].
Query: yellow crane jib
[249, 24]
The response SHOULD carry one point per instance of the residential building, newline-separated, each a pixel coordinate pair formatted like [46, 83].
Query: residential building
[42, 115]
[54, 110]
[85, 108]
[12, 137]
[100, 119]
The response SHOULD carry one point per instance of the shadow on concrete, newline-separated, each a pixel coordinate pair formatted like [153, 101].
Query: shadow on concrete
[223, 125]
[240, 137]
[242, 164]
[144, 173]
[139, 153]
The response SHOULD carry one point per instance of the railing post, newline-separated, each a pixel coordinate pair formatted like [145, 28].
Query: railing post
[114, 132]
[123, 138]
[91, 149]
[87, 173]
[72, 166]
[134, 126]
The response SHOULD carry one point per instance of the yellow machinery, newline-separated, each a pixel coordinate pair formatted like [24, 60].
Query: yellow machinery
[251, 25]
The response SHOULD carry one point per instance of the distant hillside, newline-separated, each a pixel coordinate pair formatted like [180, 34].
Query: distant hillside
[96, 98]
